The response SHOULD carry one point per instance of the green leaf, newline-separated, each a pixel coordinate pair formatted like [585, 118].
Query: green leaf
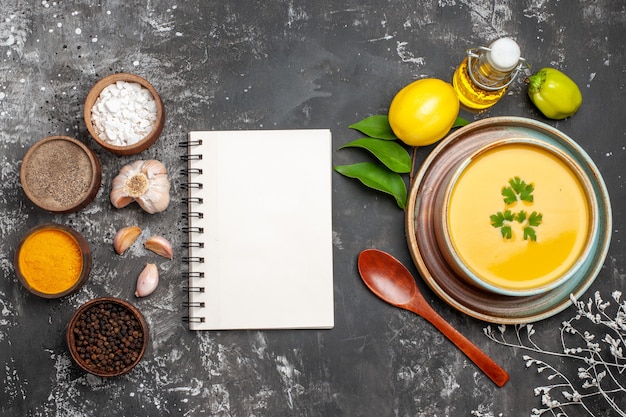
[529, 233]
[376, 126]
[527, 193]
[459, 122]
[509, 195]
[517, 184]
[377, 177]
[518, 188]
[535, 219]
[390, 153]
[497, 220]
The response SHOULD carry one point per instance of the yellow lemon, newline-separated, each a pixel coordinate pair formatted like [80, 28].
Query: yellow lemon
[424, 111]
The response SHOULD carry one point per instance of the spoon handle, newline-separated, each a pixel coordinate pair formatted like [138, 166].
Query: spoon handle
[498, 375]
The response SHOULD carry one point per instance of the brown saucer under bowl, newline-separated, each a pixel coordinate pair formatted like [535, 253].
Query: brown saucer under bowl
[142, 144]
[107, 336]
[42, 271]
[60, 174]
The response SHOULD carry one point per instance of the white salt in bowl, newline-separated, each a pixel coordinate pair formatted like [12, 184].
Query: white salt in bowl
[124, 114]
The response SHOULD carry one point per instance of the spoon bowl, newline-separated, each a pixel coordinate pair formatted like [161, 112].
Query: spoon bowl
[396, 292]
[392, 282]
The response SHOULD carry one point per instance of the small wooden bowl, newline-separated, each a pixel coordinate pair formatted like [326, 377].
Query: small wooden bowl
[36, 284]
[120, 319]
[144, 143]
[60, 174]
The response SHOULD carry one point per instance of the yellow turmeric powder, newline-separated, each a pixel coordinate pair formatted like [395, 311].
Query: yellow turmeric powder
[50, 261]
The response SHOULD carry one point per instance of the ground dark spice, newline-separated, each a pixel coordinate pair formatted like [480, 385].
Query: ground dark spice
[108, 337]
[58, 174]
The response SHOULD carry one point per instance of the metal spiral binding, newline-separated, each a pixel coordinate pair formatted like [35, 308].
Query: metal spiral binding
[188, 245]
[187, 171]
[193, 289]
[193, 214]
[188, 304]
[196, 259]
[189, 200]
[188, 143]
[188, 229]
[189, 319]
[195, 200]
[193, 274]
[190, 185]
[191, 157]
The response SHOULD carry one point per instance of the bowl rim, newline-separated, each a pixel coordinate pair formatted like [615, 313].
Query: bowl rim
[94, 185]
[84, 249]
[466, 271]
[144, 143]
[70, 339]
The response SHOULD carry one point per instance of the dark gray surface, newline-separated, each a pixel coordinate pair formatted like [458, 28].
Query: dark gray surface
[277, 64]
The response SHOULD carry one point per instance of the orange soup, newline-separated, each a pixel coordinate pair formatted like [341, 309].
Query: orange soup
[518, 217]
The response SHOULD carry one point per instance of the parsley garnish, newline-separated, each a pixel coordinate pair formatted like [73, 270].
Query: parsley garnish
[502, 221]
[518, 190]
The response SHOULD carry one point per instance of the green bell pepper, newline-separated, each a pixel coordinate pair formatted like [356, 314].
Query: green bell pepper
[554, 93]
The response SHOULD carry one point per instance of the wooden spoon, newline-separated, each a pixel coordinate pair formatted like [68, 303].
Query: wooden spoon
[392, 282]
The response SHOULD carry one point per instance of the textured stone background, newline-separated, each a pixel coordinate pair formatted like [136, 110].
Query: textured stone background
[276, 64]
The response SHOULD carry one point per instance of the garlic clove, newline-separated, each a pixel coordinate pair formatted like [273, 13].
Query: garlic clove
[125, 237]
[160, 246]
[145, 182]
[153, 168]
[156, 199]
[118, 200]
[147, 281]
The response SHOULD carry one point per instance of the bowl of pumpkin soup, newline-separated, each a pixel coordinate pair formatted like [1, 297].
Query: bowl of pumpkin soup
[555, 176]
[517, 217]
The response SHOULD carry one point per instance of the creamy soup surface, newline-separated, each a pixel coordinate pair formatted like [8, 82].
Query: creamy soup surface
[517, 263]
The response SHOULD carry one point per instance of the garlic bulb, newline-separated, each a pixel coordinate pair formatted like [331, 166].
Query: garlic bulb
[147, 281]
[145, 182]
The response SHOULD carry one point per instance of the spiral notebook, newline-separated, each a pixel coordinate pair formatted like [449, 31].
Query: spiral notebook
[259, 225]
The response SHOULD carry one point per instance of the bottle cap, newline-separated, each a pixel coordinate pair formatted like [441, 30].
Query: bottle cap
[504, 54]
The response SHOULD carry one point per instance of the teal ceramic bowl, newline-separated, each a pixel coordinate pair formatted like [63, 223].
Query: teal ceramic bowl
[516, 265]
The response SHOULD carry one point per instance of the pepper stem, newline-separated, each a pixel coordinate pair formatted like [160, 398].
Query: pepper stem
[536, 81]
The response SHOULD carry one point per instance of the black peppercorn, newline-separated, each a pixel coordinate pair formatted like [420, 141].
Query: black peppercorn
[108, 338]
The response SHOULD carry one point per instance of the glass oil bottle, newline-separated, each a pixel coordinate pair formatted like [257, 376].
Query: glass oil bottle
[484, 75]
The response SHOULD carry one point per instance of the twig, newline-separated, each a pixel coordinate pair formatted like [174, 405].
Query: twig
[604, 358]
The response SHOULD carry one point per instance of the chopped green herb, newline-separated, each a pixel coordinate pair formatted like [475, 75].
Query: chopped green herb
[529, 232]
[499, 219]
[517, 190]
[535, 219]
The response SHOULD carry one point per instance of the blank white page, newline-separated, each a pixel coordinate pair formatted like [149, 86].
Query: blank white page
[266, 230]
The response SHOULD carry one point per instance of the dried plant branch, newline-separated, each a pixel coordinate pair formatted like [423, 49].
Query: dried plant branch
[601, 353]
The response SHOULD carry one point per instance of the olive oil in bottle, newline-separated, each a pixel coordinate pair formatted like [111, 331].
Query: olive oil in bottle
[484, 75]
